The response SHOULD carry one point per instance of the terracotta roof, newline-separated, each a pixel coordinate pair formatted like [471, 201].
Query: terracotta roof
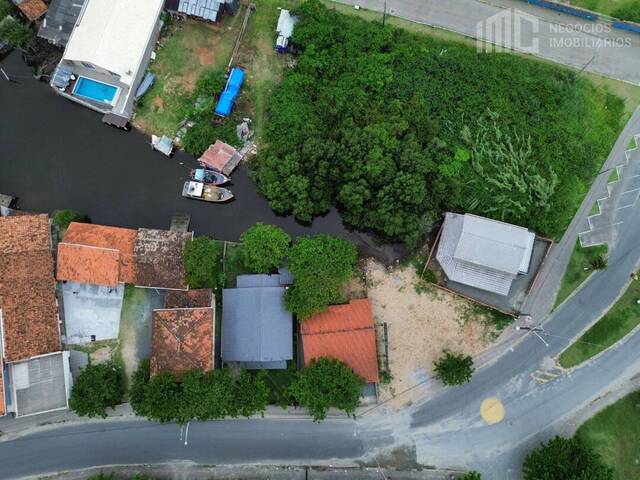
[217, 156]
[158, 258]
[345, 332]
[182, 340]
[97, 254]
[27, 288]
[32, 9]
[188, 298]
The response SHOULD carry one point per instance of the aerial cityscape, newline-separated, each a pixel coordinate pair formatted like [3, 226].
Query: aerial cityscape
[320, 239]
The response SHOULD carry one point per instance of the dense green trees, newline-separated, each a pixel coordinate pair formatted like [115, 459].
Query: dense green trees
[197, 395]
[394, 127]
[326, 383]
[202, 259]
[565, 459]
[473, 475]
[14, 32]
[96, 388]
[453, 368]
[62, 218]
[321, 265]
[264, 247]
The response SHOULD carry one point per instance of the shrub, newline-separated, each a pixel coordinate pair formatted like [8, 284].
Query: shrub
[139, 381]
[321, 265]
[264, 247]
[202, 259]
[326, 383]
[629, 10]
[473, 475]
[394, 127]
[565, 459]
[96, 388]
[15, 33]
[62, 218]
[453, 368]
[6, 8]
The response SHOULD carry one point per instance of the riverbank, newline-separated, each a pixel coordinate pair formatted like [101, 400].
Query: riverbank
[56, 154]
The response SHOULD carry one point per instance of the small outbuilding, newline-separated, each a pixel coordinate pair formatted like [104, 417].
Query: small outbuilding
[31, 9]
[221, 157]
[483, 253]
[209, 10]
[257, 330]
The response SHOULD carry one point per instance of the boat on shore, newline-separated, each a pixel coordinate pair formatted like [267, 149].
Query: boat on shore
[162, 144]
[205, 192]
[208, 176]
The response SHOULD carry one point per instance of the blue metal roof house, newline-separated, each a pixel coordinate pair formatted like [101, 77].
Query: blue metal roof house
[230, 92]
[257, 331]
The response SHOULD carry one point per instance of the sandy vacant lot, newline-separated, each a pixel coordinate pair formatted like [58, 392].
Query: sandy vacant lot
[419, 326]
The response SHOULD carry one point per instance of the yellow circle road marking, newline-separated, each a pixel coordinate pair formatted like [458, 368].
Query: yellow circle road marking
[492, 410]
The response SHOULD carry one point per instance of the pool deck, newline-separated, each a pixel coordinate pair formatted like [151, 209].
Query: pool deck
[119, 107]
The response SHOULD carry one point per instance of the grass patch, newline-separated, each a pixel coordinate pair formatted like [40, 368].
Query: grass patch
[614, 433]
[613, 176]
[496, 321]
[580, 266]
[188, 49]
[606, 7]
[595, 209]
[632, 144]
[623, 317]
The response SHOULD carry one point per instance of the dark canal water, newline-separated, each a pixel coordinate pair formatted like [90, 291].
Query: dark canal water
[55, 154]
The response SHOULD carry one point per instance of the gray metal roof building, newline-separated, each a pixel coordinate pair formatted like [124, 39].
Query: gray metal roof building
[60, 20]
[483, 253]
[205, 9]
[257, 331]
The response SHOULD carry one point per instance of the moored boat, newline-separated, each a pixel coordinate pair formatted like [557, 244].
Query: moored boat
[206, 175]
[205, 192]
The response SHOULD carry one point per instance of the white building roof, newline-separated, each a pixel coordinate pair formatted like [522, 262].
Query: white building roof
[113, 34]
[484, 253]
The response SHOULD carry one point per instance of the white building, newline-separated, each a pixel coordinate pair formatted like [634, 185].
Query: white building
[483, 253]
[107, 54]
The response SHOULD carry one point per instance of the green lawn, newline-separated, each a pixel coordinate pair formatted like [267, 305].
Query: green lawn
[579, 268]
[615, 434]
[623, 317]
[188, 49]
[613, 176]
[595, 209]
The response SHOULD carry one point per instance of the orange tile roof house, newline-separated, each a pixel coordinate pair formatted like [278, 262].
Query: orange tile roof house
[345, 332]
[31, 9]
[182, 334]
[103, 255]
[38, 372]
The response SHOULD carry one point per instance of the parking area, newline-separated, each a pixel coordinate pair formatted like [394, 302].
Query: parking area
[40, 384]
[91, 312]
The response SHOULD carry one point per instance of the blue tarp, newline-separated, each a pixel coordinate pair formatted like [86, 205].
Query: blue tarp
[558, 7]
[626, 26]
[230, 93]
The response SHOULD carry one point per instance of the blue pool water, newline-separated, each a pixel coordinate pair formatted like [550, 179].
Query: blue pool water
[94, 90]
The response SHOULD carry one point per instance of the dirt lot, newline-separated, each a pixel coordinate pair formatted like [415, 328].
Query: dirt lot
[421, 322]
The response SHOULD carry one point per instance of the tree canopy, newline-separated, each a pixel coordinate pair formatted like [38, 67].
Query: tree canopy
[326, 383]
[565, 459]
[197, 395]
[264, 247]
[96, 388]
[202, 259]
[453, 368]
[321, 265]
[395, 127]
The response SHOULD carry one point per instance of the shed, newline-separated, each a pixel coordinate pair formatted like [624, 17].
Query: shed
[204, 9]
[31, 9]
[484, 253]
[221, 157]
[257, 331]
[60, 20]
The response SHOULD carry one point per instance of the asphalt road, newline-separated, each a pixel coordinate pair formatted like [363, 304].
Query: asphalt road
[554, 36]
[227, 442]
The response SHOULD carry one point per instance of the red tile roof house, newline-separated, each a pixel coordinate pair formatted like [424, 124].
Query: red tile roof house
[96, 261]
[34, 371]
[183, 333]
[345, 332]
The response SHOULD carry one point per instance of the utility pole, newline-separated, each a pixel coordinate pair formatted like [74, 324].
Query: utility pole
[384, 13]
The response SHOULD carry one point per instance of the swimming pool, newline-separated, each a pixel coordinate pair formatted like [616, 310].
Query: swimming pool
[95, 90]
